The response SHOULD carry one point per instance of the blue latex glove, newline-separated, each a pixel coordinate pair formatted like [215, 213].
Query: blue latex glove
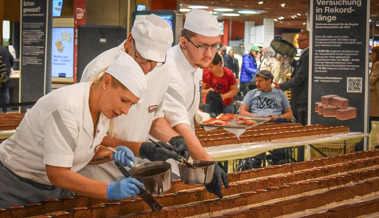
[219, 177]
[124, 188]
[123, 156]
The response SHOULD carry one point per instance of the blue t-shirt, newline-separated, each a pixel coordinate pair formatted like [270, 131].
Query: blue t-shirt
[266, 103]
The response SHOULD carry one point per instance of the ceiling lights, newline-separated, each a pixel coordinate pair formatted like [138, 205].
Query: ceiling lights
[230, 14]
[198, 7]
[248, 12]
[223, 9]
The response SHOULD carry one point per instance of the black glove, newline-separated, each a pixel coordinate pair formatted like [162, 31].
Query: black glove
[219, 177]
[154, 152]
[180, 146]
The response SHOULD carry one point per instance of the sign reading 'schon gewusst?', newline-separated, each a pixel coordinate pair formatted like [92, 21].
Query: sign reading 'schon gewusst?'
[338, 63]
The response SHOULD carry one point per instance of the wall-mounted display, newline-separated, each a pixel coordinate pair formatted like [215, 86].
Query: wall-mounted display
[62, 55]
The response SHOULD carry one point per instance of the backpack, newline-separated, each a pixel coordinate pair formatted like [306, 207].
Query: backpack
[214, 101]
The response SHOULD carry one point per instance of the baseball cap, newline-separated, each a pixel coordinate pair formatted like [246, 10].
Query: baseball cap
[129, 73]
[153, 36]
[266, 74]
[202, 22]
[254, 48]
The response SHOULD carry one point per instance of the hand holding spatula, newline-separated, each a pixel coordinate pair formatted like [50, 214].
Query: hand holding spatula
[176, 156]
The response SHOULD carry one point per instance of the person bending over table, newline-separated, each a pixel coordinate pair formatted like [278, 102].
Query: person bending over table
[147, 44]
[61, 134]
[199, 43]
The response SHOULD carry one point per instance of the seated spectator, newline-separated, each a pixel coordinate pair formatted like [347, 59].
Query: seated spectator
[221, 80]
[266, 101]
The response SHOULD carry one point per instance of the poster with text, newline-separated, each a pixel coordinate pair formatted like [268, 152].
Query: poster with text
[62, 55]
[34, 39]
[339, 63]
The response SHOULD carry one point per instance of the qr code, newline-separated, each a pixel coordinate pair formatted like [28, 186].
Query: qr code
[354, 84]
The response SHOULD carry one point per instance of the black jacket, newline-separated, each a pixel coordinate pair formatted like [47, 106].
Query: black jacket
[7, 58]
[299, 81]
[232, 64]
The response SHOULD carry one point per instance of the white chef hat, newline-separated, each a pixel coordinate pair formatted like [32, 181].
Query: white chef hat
[129, 73]
[202, 22]
[153, 36]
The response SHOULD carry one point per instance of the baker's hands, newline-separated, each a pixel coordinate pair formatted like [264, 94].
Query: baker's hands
[154, 152]
[219, 177]
[123, 156]
[180, 146]
[124, 188]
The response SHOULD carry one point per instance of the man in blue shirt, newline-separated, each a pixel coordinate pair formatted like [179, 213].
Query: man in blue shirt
[265, 101]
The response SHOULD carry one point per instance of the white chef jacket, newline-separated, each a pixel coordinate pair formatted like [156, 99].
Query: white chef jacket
[182, 98]
[57, 131]
[134, 126]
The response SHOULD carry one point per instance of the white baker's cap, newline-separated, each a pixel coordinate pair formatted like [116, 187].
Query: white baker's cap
[153, 36]
[202, 22]
[126, 70]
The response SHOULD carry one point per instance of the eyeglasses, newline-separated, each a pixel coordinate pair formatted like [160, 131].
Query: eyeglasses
[300, 40]
[142, 60]
[204, 48]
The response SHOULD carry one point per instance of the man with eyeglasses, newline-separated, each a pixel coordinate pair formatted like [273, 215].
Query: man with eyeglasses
[198, 45]
[299, 81]
[148, 42]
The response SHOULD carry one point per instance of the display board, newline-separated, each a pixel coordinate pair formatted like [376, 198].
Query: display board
[62, 55]
[93, 40]
[175, 19]
[339, 60]
[57, 8]
[35, 42]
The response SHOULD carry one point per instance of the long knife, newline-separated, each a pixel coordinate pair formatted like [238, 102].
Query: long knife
[144, 194]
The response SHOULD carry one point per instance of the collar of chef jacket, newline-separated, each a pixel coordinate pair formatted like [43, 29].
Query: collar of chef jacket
[182, 61]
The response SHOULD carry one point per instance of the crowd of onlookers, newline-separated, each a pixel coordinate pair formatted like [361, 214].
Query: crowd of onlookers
[257, 88]
[224, 83]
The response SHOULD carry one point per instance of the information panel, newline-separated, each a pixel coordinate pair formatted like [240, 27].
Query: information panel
[62, 55]
[34, 39]
[339, 63]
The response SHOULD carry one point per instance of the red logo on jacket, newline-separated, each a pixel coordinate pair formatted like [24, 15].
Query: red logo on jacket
[153, 108]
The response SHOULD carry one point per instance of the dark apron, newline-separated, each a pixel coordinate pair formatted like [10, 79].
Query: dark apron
[18, 191]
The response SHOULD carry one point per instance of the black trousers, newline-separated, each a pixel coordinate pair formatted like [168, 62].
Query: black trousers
[300, 112]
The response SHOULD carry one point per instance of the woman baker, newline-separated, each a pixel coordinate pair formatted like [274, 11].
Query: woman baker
[61, 134]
